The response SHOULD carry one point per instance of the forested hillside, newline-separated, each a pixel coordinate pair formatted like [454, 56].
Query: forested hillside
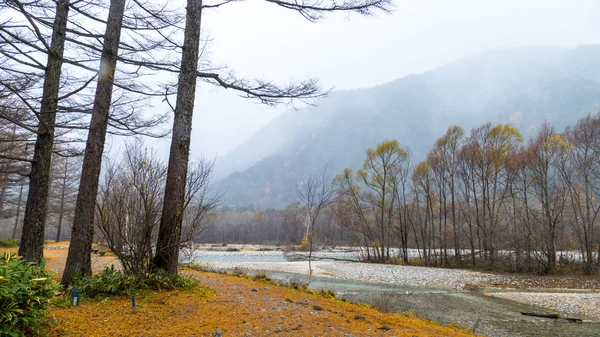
[523, 87]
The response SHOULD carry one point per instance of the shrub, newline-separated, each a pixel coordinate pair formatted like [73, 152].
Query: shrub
[261, 277]
[327, 293]
[111, 282]
[9, 243]
[296, 283]
[25, 292]
[386, 302]
[237, 270]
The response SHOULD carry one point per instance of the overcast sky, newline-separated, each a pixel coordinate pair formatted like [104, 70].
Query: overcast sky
[263, 40]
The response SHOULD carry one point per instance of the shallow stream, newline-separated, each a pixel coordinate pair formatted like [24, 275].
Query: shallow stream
[485, 315]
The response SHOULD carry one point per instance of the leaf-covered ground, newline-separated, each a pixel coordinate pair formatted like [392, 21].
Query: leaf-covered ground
[236, 307]
[232, 305]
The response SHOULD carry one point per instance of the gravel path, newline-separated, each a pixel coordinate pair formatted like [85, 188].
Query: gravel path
[576, 305]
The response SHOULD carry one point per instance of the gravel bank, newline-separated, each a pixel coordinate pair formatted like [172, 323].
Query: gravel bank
[374, 273]
[410, 276]
[446, 294]
[576, 305]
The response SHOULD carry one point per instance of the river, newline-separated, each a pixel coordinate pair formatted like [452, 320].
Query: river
[470, 309]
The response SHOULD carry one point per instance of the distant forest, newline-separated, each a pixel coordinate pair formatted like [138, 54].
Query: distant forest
[487, 196]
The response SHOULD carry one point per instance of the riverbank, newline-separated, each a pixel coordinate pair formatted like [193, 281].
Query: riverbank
[502, 286]
[485, 303]
[343, 264]
[235, 306]
[480, 301]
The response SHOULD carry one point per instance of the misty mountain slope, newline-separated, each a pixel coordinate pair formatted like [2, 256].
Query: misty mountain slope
[525, 86]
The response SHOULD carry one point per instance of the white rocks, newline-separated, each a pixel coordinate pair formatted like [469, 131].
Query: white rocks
[374, 273]
[575, 305]
[408, 275]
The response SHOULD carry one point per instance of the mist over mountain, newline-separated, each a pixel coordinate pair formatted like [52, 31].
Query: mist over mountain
[523, 86]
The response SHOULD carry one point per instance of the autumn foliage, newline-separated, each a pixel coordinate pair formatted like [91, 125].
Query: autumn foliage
[488, 198]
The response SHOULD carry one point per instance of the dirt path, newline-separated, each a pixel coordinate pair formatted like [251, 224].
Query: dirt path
[55, 254]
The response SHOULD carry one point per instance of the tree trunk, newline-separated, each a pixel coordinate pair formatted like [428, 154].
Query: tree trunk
[3, 180]
[2, 193]
[32, 239]
[454, 230]
[167, 248]
[82, 234]
[62, 200]
[14, 235]
[598, 261]
[310, 251]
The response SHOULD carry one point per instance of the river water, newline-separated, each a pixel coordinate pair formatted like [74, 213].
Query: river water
[483, 314]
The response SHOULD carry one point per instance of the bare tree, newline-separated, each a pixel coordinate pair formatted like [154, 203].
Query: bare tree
[78, 260]
[18, 212]
[446, 149]
[23, 44]
[314, 194]
[379, 177]
[32, 239]
[14, 167]
[167, 250]
[549, 193]
[579, 168]
[201, 199]
[400, 185]
[129, 206]
[63, 192]
[265, 91]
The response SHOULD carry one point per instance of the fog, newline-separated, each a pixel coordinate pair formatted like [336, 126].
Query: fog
[262, 40]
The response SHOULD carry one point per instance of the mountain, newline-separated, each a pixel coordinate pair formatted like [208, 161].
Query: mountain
[525, 86]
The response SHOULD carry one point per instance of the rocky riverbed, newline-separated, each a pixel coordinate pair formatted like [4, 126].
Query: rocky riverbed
[446, 295]
[578, 305]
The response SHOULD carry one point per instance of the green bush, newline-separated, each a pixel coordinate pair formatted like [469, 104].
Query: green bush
[111, 282]
[25, 291]
[9, 243]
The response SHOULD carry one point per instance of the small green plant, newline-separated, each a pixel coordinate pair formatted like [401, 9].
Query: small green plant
[111, 282]
[8, 243]
[237, 270]
[295, 283]
[410, 313]
[329, 294]
[261, 277]
[25, 293]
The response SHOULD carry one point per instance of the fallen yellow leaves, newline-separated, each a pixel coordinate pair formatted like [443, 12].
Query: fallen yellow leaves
[158, 314]
[237, 307]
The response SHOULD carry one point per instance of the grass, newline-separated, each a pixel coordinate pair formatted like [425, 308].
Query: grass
[8, 243]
